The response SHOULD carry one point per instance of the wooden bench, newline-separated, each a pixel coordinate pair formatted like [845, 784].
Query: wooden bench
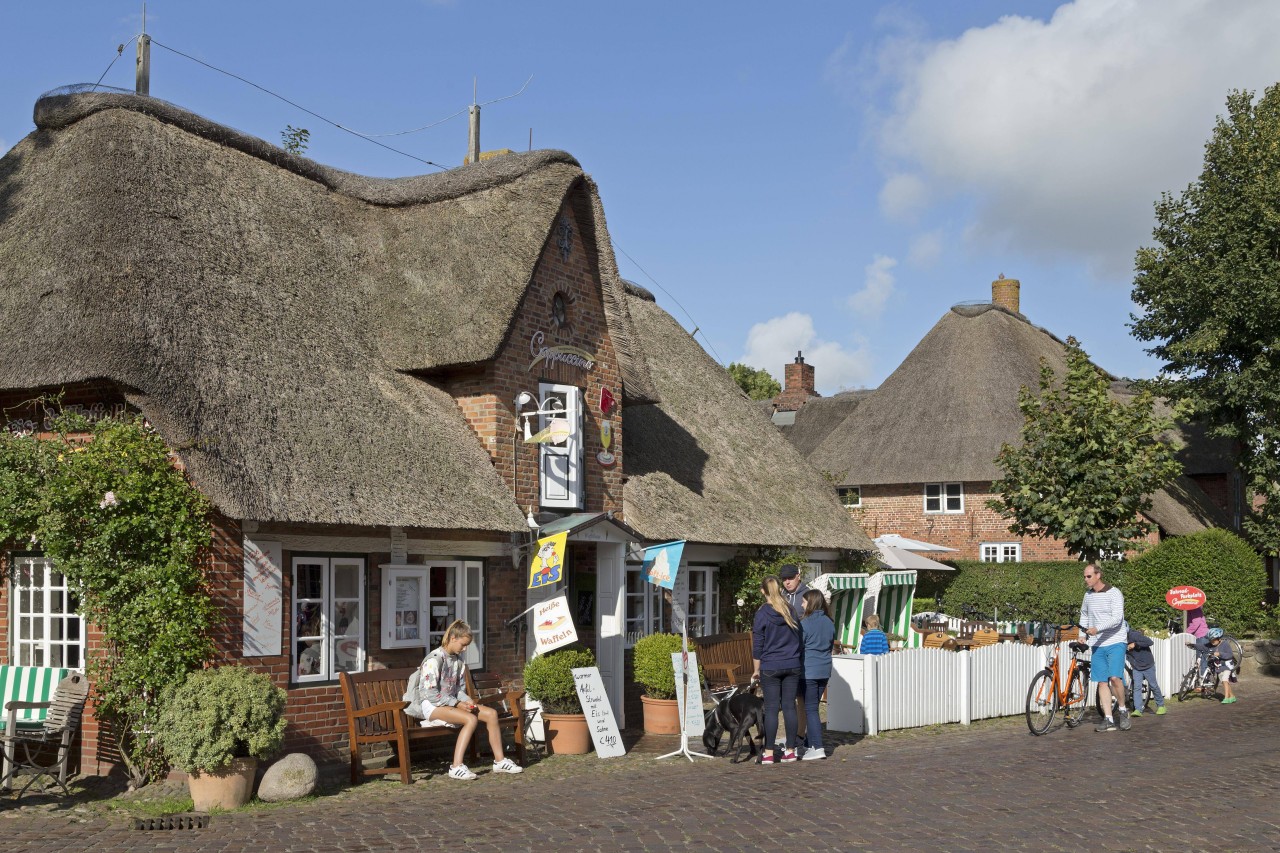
[726, 659]
[375, 714]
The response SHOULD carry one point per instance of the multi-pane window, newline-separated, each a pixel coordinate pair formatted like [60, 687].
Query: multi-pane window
[47, 630]
[328, 600]
[704, 600]
[1001, 552]
[944, 497]
[647, 613]
[420, 601]
[850, 496]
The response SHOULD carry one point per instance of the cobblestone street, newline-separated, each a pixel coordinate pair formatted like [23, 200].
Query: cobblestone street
[1201, 778]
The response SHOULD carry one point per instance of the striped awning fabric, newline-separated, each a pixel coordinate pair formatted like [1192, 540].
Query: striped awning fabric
[841, 583]
[897, 578]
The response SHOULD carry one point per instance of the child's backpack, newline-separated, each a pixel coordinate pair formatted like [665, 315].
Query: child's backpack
[411, 695]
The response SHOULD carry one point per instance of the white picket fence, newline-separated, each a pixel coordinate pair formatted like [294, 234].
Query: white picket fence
[920, 687]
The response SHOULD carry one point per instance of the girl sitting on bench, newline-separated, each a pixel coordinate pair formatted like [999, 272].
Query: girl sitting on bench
[445, 702]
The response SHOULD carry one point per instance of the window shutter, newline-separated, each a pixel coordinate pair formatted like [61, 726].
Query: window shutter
[561, 465]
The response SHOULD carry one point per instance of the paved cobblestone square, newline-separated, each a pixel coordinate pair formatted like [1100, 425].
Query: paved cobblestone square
[1203, 777]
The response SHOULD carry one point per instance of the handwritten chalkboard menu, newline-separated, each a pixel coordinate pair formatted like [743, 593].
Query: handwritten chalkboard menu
[595, 705]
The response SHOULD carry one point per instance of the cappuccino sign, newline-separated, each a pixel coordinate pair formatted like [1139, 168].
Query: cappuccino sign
[558, 353]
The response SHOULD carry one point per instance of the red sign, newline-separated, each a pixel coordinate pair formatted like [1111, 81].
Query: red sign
[1184, 598]
[607, 401]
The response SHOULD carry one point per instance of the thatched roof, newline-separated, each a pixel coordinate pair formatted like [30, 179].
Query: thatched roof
[263, 310]
[1182, 507]
[707, 465]
[943, 414]
[819, 417]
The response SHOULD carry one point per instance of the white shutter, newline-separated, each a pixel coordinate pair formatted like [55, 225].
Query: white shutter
[561, 465]
[471, 593]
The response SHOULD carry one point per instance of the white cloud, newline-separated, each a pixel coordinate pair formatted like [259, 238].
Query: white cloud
[903, 196]
[876, 289]
[1064, 132]
[773, 344]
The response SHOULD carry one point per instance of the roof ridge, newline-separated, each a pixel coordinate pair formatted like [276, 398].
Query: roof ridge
[61, 109]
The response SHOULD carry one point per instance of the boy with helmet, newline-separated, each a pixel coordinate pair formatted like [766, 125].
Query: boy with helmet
[1225, 660]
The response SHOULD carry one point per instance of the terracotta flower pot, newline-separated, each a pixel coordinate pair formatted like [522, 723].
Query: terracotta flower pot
[661, 716]
[567, 734]
[229, 788]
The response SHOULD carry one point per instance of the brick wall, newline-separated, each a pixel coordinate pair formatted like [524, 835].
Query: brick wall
[899, 509]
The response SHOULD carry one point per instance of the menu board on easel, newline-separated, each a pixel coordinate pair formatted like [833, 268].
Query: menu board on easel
[599, 713]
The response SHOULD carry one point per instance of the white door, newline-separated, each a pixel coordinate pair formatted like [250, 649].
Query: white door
[610, 621]
[561, 464]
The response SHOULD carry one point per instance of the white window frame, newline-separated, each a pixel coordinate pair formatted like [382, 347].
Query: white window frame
[560, 466]
[1000, 552]
[406, 589]
[45, 628]
[325, 643]
[844, 493]
[653, 617]
[944, 494]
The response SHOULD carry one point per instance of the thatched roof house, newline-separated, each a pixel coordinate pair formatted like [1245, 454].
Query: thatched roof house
[705, 464]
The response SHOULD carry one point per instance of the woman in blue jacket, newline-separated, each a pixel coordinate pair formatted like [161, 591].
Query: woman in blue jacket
[776, 654]
[818, 633]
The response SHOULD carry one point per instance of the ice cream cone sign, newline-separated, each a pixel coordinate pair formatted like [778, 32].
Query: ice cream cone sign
[547, 566]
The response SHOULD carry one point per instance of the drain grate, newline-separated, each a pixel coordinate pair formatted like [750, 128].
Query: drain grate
[173, 821]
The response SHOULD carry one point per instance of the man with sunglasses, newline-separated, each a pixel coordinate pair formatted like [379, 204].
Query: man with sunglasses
[1102, 617]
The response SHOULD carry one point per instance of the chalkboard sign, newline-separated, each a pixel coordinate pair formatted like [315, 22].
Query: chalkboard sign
[595, 705]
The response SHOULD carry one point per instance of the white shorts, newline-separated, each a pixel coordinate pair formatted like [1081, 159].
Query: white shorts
[429, 723]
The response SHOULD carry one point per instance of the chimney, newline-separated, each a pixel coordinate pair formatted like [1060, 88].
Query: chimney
[473, 135]
[797, 386]
[1005, 293]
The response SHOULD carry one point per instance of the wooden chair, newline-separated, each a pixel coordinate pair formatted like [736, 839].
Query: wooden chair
[29, 749]
[939, 640]
[986, 636]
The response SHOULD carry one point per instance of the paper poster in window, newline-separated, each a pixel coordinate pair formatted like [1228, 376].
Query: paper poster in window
[263, 613]
[408, 598]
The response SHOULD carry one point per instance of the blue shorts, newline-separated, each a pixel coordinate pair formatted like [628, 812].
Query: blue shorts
[1107, 662]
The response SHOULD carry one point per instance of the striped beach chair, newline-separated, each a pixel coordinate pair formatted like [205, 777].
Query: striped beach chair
[25, 684]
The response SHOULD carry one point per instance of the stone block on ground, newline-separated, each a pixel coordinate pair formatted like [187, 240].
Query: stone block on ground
[290, 778]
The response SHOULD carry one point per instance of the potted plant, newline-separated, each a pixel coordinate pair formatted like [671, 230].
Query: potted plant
[896, 641]
[548, 679]
[215, 726]
[655, 674]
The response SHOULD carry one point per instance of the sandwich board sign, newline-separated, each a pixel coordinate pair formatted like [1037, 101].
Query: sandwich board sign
[691, 718]
[599, 713]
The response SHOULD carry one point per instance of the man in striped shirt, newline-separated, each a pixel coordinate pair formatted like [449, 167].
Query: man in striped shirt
[1102, 617]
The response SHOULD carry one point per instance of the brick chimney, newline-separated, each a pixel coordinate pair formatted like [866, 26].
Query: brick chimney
[797, 386]
[1005, 293]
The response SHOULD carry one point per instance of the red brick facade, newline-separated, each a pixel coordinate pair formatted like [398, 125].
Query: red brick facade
[899, 508]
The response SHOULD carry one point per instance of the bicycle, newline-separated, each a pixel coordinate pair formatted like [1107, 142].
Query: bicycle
[1051, 690]
[1206, 685]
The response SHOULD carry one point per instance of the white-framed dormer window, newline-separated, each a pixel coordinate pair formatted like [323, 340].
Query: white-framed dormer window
[1001, 552]
[944, 497]
[850, 496]
[328, 603]
[419, 602]
[46, 628]
[560, 465]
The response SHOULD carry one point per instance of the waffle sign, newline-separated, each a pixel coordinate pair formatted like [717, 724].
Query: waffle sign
[1185, 598]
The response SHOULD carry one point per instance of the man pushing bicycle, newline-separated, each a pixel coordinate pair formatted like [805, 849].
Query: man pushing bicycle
[1102, 618]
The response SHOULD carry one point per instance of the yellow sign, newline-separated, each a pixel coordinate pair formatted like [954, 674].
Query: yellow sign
[547, 566]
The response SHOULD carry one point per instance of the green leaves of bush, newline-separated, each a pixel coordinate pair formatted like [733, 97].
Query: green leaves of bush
[548, 678]
[219, 714]
[653, 668]
[1220, 563]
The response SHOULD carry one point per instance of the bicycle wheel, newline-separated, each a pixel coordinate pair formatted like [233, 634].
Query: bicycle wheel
[1238, 651]
[1042, 702]
[1077, 698]
[1188, 685]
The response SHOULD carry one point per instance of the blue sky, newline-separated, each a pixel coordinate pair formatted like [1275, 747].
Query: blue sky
[825, 176]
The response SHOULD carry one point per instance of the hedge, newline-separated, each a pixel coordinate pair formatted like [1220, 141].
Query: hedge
[1217, 561]
[1021, 591]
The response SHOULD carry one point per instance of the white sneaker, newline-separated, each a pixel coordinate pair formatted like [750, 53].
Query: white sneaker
[814, 754]
[506, 765]
[460, 771]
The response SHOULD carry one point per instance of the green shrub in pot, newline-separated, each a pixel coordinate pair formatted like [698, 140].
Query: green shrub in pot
[653, 669]
[548, 678]
[220, 714]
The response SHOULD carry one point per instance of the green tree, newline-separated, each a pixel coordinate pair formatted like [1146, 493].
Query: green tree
[1087, 464]
[295, 139]
[756, 384]
[1209, 291]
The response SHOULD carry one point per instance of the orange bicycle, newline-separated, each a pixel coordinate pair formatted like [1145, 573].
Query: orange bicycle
[1060, 686]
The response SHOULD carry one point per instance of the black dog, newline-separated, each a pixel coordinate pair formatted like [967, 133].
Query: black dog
[736, 714]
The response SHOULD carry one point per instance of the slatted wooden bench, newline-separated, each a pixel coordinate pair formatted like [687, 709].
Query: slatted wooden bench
[726, 659]
[375, 715]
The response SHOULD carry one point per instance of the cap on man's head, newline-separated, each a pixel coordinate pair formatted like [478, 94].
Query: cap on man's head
[788, 571]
